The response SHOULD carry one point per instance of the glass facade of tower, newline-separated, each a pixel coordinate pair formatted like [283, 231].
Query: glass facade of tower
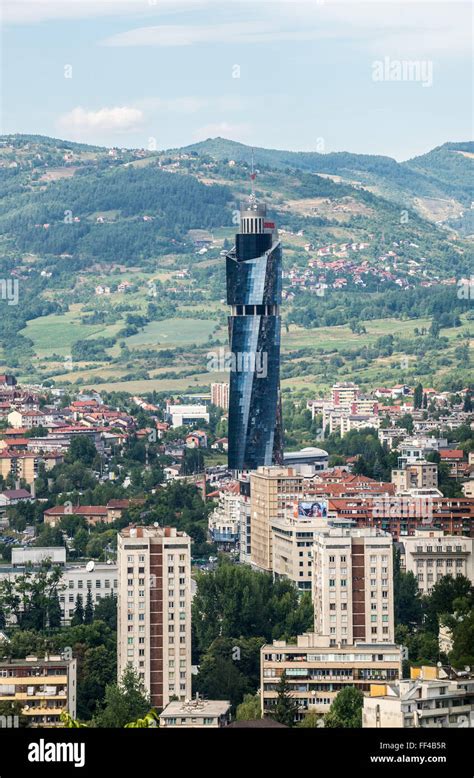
[253, 270]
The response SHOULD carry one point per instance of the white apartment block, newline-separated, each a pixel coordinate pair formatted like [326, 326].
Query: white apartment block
[225, 521]
[430, 555]
[433, 697]
[353, 586]
[99, 578]
[220, 395]
[316, 671]
[292, 542]
[154, 610]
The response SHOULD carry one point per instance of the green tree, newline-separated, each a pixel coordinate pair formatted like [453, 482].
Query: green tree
[286, 709]
[418, 396]
[250, 708]
[124, 701]
[346, 709]
[54, 611]
[442, 598]
[78, 615]
[106, 610]
[311, 721]
[81, 449]
[89, 609]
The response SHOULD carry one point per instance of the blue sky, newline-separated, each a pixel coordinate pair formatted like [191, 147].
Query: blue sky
[163, 73]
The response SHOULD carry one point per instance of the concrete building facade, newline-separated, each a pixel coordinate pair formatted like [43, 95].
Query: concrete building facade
[430, 555]
[353, 586]
[154, 610]
[44, 687]
[316, 671]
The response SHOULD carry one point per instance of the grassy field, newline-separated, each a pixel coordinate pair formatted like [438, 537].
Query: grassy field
[175, 332]
[55, 334]
[341, 336]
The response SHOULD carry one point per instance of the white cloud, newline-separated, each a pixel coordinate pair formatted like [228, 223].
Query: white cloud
[118, 119]
[413, 28]
[190, 34]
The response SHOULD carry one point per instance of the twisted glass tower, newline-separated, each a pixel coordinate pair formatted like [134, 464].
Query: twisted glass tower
[253, 270]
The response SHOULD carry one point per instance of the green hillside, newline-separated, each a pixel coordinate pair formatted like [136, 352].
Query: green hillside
[115, 288]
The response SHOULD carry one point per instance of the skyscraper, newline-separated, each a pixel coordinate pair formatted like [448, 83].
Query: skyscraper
[253, 269]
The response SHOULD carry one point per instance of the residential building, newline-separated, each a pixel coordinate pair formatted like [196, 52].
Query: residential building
[93, 514]
[316, 671]
[196, 714]
[416, 448]
[14, 496]
[45, 687]
[225, 520]
[154, 610]
[254, 284]
[455, 459]
[416, 475]
[24, 465]
[353, 585]
[433, 697]
[430, 555]
[272, 491]
[344, 394]
[402, 516]
[292, 546]
[220, 395]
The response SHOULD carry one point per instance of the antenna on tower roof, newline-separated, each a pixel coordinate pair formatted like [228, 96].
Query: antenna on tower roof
[253, 175]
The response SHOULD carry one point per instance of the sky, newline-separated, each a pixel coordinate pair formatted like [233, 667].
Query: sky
[375, 77]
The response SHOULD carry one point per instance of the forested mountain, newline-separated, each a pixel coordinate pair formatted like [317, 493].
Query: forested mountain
[444, 172]
[113, 284]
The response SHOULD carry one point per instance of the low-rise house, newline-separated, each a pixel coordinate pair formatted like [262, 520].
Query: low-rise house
[14, 496]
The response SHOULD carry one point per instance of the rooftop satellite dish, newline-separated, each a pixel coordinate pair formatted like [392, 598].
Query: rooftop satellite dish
[439, 664]
[155, 524]
[90, 566]
[467, 669]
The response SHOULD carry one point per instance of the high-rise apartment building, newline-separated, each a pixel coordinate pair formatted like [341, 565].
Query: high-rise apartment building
[254, 285]
[220, 395]
[272, 490]
[154, 610]
[353, 586]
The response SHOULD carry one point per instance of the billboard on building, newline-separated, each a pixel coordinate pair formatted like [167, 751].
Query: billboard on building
[316, 509]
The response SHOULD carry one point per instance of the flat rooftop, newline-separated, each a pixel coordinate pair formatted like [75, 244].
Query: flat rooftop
[197, 708]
